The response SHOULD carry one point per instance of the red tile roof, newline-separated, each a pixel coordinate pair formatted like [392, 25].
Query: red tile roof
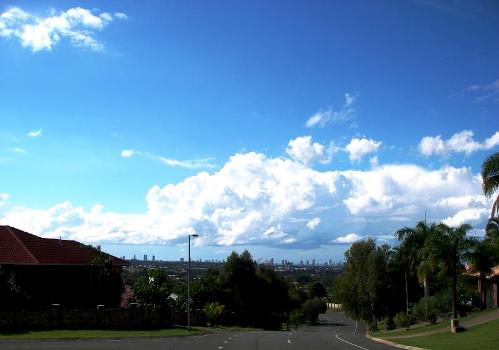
[19, 247]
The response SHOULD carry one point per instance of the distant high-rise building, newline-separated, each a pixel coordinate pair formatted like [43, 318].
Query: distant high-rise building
[330, 262]
[313, 262]
[301, 262]
[181, 259]
[153, 258]
[134, 257]
[145, 257]
[282, 262]
[308, 262]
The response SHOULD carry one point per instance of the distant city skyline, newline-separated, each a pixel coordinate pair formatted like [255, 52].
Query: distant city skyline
[290, 129]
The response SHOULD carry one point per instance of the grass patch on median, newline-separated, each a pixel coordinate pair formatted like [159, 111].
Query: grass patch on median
[484, 336]
[76, 334]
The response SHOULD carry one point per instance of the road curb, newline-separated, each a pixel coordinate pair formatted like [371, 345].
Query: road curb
[387, 342]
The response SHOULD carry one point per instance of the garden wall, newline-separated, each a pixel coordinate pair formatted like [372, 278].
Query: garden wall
[58, 318]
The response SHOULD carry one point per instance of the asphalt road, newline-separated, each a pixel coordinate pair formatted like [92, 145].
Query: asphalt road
[335, 331]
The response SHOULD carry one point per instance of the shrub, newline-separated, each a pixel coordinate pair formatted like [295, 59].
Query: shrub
[212, 311]
[426, 310]
[401, 320]
[312, 308]
[389, 323]
[296, 316]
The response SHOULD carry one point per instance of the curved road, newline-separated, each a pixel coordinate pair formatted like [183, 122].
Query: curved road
[335, 331]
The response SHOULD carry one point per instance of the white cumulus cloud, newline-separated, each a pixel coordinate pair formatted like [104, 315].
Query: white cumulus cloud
[304, 150]
[359, 147]
[78, 25]
[468, 216]
[348, 239]
[461, 142]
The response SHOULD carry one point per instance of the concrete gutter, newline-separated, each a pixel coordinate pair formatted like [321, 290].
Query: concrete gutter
[400, 346]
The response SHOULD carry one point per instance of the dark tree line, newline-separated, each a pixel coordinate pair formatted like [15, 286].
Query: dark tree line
[240, 293]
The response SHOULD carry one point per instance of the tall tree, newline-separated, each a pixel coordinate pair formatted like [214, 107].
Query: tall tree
[362, 282]
[416, 253]
[454, 247]
[490, 180]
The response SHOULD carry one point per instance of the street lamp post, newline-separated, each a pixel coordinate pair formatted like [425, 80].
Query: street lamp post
[189, 283]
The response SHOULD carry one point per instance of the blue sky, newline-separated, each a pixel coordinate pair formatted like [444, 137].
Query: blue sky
[288, 128]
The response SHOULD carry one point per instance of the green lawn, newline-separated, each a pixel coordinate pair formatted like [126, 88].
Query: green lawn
[485, 336]
[419, 329]
[74, 334]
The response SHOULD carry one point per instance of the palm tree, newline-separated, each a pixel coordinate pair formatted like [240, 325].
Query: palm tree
[490, 180]
[453, 247]
[415, 246]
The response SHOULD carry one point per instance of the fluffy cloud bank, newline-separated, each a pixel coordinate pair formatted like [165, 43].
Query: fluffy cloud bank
[255, 199]
[43, 33]
[462, 142]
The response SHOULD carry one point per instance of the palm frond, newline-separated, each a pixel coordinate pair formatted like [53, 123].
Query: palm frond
[490, 174]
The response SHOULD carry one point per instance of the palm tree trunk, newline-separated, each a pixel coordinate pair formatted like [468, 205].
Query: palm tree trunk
[454, 291]
[426, 295]
[406, 300]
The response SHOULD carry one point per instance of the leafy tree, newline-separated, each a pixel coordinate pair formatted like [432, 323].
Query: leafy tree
[252, 295]
[238, 279]
[362, 284]
[208, 290]
[152, 288]
[273, 302]
[107, 285]
[316, 289]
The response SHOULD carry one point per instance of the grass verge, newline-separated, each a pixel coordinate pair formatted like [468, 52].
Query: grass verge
[426, 328]
[90, 333]
[484, 336]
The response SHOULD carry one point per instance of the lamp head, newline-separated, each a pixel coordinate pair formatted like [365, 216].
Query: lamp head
[194, 235]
